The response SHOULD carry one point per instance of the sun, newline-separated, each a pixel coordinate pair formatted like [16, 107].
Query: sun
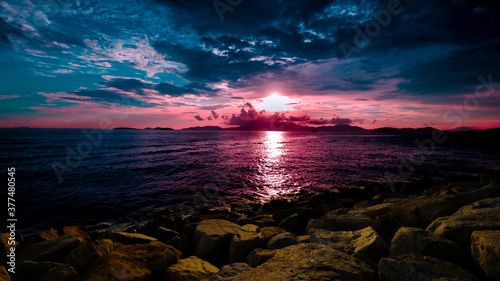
[274, 102]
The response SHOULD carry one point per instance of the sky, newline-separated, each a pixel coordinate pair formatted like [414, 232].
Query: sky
[185, 63]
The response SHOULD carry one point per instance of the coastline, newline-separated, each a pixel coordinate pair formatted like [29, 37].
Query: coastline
[368, 231]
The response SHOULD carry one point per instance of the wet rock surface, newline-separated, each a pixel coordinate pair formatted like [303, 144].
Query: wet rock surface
[448, 232]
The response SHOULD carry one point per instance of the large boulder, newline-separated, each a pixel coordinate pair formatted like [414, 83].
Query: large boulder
[481, 215]
[361, 243]
[212, 239]
[412, 267]
[77, 231]
[291, 223]
[421, 211]
[63, 272]
[259, 256]
[414, 240]
[302, 213]
[164, 234]
[51, 250]
[309, 261]
[127, 238]
[4, 275]
[190, 269]
[485, 249]
[375, 210]
[282, 240]
[271, 231]
[246, 239]
[260, 220]
[31, 271]
[132, 262]
[41, 236]
[334, 221]
[229, 271]
[84, 255]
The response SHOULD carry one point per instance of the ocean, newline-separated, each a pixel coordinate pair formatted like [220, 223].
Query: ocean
[124, 177]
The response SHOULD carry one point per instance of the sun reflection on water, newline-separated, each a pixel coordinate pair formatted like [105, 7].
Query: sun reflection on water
[271, 172]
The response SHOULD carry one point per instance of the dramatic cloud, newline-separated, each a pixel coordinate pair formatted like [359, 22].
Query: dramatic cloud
[169, 57]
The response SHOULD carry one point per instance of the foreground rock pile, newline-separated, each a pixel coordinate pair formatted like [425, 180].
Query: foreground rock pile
[448, 233]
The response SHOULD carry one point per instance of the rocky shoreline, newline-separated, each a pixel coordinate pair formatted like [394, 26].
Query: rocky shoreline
[427, 231]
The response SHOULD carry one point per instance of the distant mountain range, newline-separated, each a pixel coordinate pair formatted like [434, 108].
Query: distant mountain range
[457, 134]
[346, 129]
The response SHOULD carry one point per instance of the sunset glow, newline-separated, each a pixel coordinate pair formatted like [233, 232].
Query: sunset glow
[274, 102]
[86, 62]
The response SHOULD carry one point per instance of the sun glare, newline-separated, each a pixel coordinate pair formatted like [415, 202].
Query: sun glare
[274, 102]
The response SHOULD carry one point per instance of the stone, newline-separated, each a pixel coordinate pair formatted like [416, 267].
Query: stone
[246, 239]
[302, 212]
[127, 238]
[4, 275]
[363, 204]
[259, 256]
[378, 210]
[303, 239]
[31, 271]
[481, 215]
[326, 207]
[42, 236]
[260, 220]
[229, 271]
[51, 250]
[164, 234]
[345, 222]
[84, 255]
[282, 240]
[212, 239]
[309, 261]
[393, 200]
[291, 223]
[271, 231]
[190, 269]
[387, 225]
[132, 262]
[414, 240]
[485, 249]
[421, 211]
[60, 273]
[77, 231]
[412, 267]
[362, 243]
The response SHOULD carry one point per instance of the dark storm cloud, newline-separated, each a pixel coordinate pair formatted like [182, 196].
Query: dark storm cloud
[199, 118]
[124, 84]
[110, 97]
[171, 90]
[57, 36]
[205, 66]
[314, 30]
[8, 32]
